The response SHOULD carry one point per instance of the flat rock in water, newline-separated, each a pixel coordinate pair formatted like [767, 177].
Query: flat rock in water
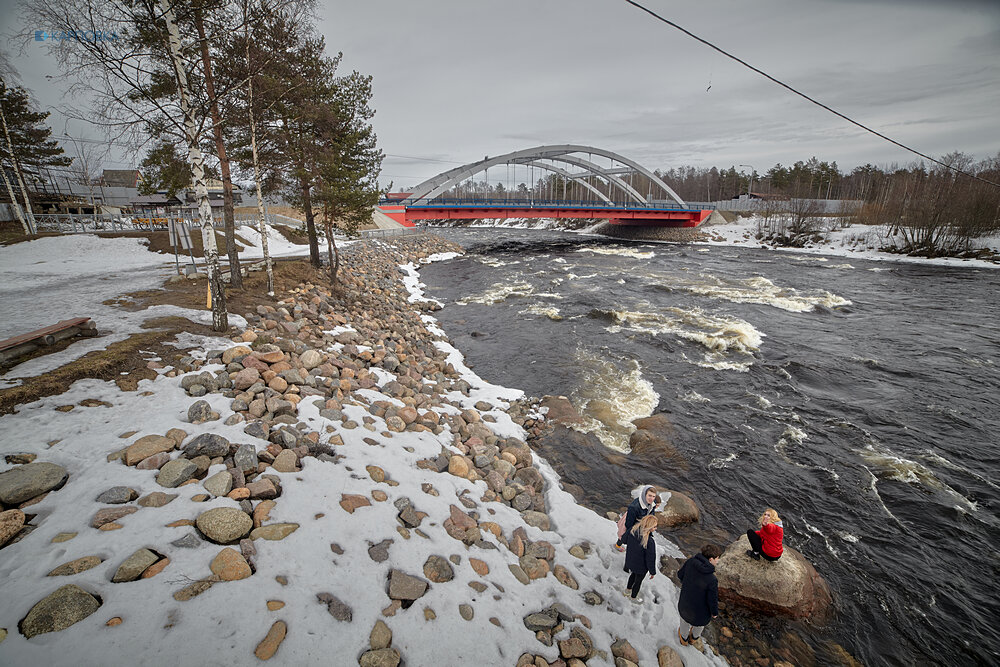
[224, 525]
[27, 481]
[678, 510]
[67, 605]
[789, 586]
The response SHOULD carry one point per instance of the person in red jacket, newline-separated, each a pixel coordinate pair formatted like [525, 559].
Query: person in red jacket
[766, 542]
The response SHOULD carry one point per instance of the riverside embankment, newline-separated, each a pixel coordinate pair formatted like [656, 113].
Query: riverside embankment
[331, 479]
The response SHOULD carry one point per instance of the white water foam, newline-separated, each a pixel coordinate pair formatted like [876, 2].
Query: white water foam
[620, 252]
[760, 290]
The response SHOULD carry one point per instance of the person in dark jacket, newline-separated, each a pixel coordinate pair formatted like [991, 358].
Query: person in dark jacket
[699, 599]
[640, 555]
[644, 504]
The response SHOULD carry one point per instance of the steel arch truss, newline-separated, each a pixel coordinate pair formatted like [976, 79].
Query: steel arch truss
[536, 157]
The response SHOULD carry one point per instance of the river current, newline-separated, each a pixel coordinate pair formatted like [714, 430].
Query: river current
[860, 399]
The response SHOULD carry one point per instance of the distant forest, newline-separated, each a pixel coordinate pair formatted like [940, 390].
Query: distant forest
[815, 179]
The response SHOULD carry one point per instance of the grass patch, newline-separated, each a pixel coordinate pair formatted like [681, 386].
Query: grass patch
[121, 362]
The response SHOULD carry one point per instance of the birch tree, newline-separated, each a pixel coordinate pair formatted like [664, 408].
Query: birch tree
[220, 318]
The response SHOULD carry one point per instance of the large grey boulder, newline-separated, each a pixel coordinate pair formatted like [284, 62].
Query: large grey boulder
[27, 481]
[176, 472]
[678, 509]
[207, 444]
[224, 525]
[405, 587]
[66, 606]
[789, 586]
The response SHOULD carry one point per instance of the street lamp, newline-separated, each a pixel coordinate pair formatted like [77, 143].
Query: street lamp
[750, 184]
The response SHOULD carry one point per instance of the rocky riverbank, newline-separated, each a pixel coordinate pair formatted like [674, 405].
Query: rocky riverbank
[336, 454]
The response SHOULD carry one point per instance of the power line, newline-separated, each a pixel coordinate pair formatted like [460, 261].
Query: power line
[803, 95]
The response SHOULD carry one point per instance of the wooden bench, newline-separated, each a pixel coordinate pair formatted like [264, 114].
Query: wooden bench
[17, 346]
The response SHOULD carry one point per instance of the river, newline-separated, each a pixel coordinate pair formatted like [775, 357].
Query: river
[860, 399]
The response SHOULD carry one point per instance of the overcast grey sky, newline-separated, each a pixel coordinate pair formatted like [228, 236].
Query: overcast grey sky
[456, 80]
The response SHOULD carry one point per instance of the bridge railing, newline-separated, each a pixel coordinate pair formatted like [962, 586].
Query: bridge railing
[538, 203]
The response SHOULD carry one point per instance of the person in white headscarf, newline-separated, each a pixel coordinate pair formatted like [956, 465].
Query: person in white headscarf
[645, 503]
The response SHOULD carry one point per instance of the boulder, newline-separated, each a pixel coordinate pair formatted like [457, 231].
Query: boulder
[219, 484]
[229, 565]
[653, 437]
[438, 569]
[176, 472]
[380, 636]
[405, 587]
[560, 411]
[11, 523]
[385, 657]
[147, 446]
[76, 566]
[134, 566]
[273, 531]
[539, 520]
[207, 444]
[117, 495]
[61, 609]
[789, 586]
[311, 359]
[27, 481]
[201, 411]
[667, 657]
[224, 525]
[232, 353]
[678, 510]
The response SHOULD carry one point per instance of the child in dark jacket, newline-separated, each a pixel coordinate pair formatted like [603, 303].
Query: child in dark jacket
[699, 598]
[640, 555]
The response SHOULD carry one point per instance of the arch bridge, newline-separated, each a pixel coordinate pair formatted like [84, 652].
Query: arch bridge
[571, 184]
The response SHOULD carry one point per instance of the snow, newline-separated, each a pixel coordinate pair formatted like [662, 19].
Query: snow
[224, 624]
[51, 279]
[856, 241]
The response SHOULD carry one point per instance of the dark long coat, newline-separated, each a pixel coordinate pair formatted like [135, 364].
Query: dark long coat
[639, 560]
[699, 600]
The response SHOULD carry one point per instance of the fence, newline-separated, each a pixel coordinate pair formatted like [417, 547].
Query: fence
[82, 223]
[745, 205]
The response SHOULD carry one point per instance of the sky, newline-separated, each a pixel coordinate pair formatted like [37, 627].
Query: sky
[455, 80]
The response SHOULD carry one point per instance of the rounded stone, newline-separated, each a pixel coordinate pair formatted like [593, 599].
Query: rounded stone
[67, 605]
[24, 482]
[230, 565]
[224, 525]
[438, 569]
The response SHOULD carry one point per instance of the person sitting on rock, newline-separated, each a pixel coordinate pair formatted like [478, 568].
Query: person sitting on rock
[640, 556]
[699, 597]
[766, 542]
[644, 504]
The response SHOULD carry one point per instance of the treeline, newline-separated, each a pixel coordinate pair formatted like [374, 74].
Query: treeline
[247, 87]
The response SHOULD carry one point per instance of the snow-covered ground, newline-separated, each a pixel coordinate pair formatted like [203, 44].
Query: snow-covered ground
[860, 241]
[57, 278]
[223, 625]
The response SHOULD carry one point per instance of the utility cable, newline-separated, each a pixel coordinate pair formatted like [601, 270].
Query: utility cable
[803, 95]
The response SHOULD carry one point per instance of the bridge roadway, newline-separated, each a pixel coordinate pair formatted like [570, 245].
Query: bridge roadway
[631, 213]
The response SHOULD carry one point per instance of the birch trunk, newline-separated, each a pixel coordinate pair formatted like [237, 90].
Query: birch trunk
[261, 223]
[235, 276]
[29, 225]
[220, 318]
[13, 203]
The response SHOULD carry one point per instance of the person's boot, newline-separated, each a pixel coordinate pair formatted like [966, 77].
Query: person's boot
[680, 637]
[753, 554]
